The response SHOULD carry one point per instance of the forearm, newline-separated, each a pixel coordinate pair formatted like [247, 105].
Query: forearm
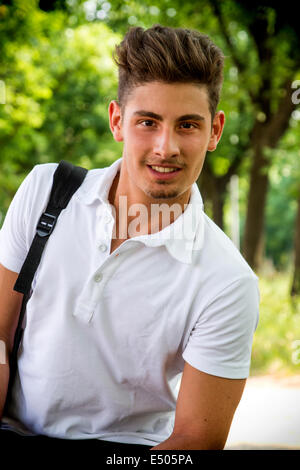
[187, 442]
[4, 375]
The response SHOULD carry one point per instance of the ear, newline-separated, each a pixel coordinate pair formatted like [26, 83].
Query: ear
[115, 120]
[216, 131]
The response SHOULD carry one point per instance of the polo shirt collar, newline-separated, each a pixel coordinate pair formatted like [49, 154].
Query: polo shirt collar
[181, 238]
[98, 188]
[185, 234]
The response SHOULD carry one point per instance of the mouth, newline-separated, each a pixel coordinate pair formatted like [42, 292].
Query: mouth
[163, 171]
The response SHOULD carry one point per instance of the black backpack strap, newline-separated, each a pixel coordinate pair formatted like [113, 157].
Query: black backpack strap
[66, 180]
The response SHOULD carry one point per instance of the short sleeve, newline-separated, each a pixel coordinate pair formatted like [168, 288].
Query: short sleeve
[221, 341]
[13, 247]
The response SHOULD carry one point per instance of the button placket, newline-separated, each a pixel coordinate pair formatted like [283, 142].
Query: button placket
[93, 290]
[98, 277]
[95, 285]
[104, 229]
[107, 219]
[102, 247]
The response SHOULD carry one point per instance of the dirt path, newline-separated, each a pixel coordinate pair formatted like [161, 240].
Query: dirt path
[268, 416]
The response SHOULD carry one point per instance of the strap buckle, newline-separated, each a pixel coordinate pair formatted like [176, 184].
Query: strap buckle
[46, 224]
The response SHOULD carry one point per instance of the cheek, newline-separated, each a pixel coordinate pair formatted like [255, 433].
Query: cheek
[136, 144]
[199, 167]
[195, 145]
[197, 164]
[136, 137]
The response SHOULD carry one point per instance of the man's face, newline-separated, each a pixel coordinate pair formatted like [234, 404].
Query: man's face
[166, 130]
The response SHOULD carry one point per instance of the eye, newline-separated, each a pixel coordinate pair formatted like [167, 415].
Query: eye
[147, 123]
[188, 125]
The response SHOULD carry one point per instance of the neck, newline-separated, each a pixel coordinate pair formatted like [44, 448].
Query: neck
[140, 214]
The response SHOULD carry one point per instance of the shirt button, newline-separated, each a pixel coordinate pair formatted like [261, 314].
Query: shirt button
[98, 277]
[107, 219]
[102, 247]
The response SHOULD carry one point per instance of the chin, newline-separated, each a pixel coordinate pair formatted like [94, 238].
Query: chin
[162, 194]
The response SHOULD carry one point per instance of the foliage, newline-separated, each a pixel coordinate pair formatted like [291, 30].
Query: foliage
[283, 195]
[59, 76]
[277, 337]
[58, 85]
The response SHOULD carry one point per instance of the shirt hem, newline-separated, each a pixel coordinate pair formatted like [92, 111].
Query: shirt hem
[226, 373]
[12, 265]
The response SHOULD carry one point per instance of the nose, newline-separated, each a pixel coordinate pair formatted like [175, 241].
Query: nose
[166, 144]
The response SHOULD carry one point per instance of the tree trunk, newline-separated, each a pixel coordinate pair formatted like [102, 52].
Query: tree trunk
[295, 290]
[213, 191]
[264, 134]
[218, 205]
[254, 227]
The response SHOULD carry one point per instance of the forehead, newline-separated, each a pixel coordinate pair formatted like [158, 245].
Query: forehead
[168, 98]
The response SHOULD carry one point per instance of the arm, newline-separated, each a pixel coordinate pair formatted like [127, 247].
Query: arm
[10, 306]
[205, 408]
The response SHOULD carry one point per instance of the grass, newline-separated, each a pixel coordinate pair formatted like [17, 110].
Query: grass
[276, 344]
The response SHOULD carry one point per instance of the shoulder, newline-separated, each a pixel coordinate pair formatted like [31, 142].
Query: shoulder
[41, 176]
[220, 264]
[222, 250]
[40, 180]
[90, 184]
[43, 170]
[225, 310]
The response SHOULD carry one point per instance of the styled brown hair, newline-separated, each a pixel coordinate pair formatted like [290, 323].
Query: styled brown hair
[169, 55]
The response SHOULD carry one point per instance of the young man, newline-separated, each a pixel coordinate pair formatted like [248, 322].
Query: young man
[126, 301]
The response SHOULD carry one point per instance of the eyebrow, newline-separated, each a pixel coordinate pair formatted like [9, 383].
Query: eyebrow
[185, 117]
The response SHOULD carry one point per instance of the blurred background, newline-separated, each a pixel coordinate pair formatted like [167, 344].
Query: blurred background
[57, 78]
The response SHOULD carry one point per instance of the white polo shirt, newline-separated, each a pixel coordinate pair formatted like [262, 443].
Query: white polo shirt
[107, 335]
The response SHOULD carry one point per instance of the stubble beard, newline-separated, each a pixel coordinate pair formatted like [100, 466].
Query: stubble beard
[163, 194]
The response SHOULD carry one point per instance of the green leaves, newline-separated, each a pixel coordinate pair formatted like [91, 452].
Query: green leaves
[59, 79]
[58, 84]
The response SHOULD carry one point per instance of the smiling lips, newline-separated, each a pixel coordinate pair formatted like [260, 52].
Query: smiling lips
[164, 172]
[163, 169]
